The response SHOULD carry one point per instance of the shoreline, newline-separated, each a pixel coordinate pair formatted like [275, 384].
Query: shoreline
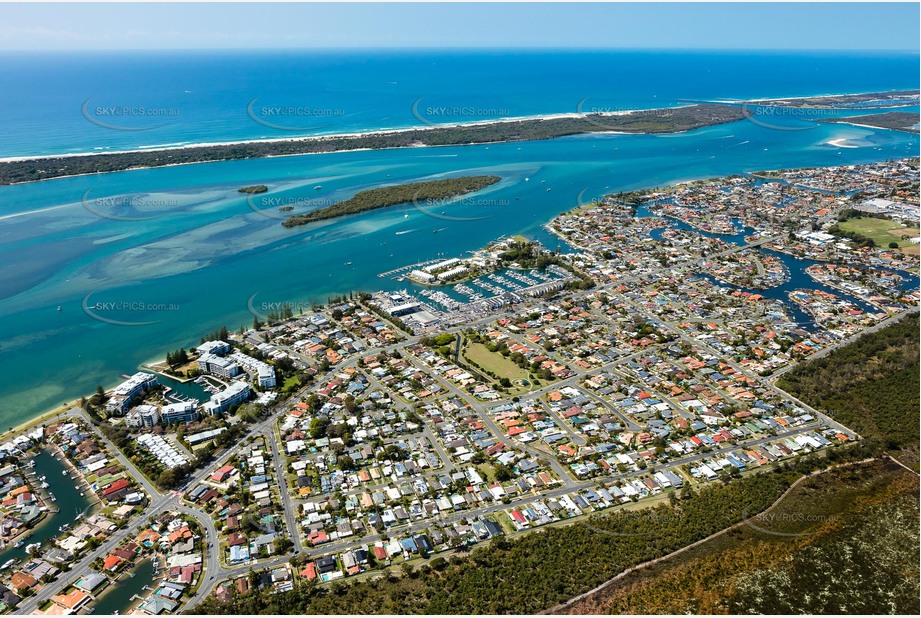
[550, 227]
[349, 135]
[828, 95]
[685, 116]
[870, 126]
[41, 419]
[271, 156]
[682, 103]
[113, 584]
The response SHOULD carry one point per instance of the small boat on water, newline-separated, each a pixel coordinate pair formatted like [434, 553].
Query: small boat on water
[318, 187]
[8, 564]
[23, 540]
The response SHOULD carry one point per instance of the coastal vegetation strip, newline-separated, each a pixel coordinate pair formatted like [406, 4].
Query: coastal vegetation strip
[865, 100]
[667, 120]
[772, 567]
[870, 385]
[253, 189]
[695, 114]
[382, 197]
[899, 121]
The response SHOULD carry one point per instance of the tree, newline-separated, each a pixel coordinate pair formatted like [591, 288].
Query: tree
[282, 544]
[503, 472]
[893, 245]
[318, 427]
[439, 563]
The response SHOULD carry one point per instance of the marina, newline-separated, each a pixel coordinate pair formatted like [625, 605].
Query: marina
[459, 310]
[54, 519]
[198, 278]
[122, 595]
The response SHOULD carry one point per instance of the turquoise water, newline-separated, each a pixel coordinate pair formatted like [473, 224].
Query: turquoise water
[184, 390]
[197, 255]
[204, 96]
[797, 277]
[205, 255]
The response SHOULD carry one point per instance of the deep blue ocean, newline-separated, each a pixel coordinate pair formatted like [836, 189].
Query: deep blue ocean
[184, 239]
[181, 98]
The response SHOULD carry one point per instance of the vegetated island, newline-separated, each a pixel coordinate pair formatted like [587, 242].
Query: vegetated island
[668, 120]
[382, 197]
[253, 189]
[898, 121]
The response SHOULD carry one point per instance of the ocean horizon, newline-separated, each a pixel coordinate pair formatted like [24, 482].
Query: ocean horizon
[103, 102]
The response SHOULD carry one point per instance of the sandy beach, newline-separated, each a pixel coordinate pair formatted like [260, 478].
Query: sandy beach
[841, 142]
[321, 137]
[398, 130]
[43, 419]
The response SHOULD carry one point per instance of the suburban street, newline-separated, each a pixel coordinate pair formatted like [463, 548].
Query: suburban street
[215, 571]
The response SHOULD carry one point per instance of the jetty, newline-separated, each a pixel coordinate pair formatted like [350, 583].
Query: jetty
[402, 271]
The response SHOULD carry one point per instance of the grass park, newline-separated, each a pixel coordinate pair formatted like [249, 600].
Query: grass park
[480, 355]
[883, 232]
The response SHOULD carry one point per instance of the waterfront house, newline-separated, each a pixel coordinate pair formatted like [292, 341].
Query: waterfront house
[73, 601]
[90, 581]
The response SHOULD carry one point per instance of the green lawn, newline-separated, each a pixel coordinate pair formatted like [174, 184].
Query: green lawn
[487, 472]
[498, 364]
[882, 231]
[291, 382]
[505, 522]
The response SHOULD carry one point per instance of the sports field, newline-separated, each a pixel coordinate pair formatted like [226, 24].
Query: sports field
[883, 232]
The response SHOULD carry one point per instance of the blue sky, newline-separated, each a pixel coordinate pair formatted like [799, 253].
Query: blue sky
[822, 26]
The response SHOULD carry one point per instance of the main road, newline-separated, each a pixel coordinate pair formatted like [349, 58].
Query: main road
[215, 571]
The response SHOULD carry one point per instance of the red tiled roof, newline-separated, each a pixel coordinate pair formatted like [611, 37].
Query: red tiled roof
[116, 486]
